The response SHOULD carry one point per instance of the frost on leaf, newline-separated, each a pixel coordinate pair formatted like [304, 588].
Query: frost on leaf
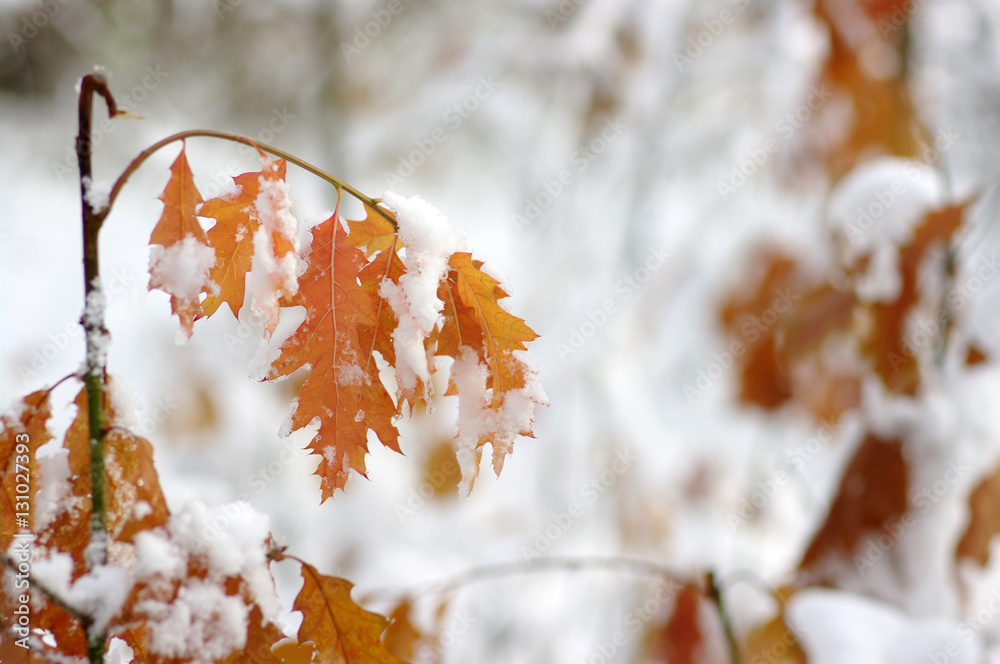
[181, 257]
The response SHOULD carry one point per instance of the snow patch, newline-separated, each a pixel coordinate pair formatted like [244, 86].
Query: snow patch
[182, 268]
[429, 240]
[477, 419]
[96, 194]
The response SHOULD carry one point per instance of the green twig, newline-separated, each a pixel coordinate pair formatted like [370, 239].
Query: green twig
[97, 339]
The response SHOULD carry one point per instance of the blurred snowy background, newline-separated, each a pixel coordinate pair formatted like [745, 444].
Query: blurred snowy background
[581, 145]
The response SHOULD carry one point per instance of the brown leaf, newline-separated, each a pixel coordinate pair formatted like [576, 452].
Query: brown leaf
[872, 493]
[342, 631]
[681, 639]
[984, 521]
[401, 637]
[22, 432]
[343, 389]
[773, 642]
[183, 247]
[232, 236]
[886, 344]
[975, 355]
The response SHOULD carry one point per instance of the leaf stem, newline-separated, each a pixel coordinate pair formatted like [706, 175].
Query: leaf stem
[236, 138]
[97, 338]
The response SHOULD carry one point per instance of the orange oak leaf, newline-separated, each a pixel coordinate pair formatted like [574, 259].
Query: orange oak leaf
[478, 332]
[232, 236]
[274, 278]
[984, 521]
[774, 636]
[883, 118]
[887, 345]
[375, 232]
[262, 636]
[69, 528]
[181, 257]
[343, 389]
[22, 432]
[135, 500]
[501, 332]
[342, 631]
[401, 636]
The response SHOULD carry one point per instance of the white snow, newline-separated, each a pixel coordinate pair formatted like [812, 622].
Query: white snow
[202, 624]
[476, 419]
[228, 539]
[97, 340]
[429, 240]
[182, 268]
[96, 193]
[836, 627]
[273, 276]
[100, 593]
[119, 652]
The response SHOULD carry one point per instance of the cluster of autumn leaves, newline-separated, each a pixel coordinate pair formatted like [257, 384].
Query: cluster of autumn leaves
[347, 323]
[831, 338]
[334, 627]
[348, 318]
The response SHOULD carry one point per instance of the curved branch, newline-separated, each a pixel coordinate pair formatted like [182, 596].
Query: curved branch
[236, 138]
[632, 566]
